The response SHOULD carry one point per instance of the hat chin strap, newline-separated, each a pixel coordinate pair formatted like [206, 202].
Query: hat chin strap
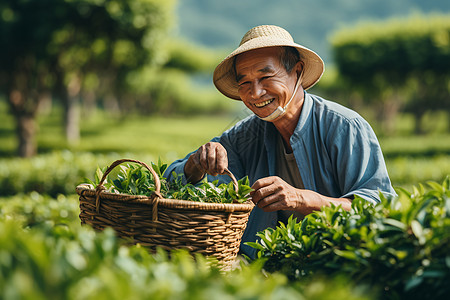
[279, 111]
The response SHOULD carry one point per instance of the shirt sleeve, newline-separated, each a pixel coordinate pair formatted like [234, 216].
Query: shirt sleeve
[359, 162]
[177, 167]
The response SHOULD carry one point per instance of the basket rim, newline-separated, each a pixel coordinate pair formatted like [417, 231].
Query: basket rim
[89, 190]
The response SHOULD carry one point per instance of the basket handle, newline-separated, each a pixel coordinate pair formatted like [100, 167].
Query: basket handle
[235, 183]
[157, 193]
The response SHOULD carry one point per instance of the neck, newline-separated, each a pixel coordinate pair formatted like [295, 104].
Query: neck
[286, 126]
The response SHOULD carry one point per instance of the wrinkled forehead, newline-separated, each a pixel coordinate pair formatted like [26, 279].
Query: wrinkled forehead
[263, 59]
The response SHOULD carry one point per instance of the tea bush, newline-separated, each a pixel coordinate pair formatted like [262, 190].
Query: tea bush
[52, 174]
[60, 172]
[46, 254]
[400, 246]
[34, 210]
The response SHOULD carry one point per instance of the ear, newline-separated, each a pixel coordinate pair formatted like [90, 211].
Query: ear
[299, 67]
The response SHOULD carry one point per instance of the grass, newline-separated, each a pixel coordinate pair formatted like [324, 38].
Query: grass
[407, 171]
[416, 145]
[159, 136]
[168, 137]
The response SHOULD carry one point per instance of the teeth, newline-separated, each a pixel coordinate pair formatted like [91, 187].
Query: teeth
[263, 103]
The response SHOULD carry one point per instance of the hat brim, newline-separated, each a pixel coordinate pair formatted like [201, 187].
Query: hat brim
[224, 77]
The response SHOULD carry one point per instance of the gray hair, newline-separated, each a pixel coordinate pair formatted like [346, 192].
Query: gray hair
[289, 58]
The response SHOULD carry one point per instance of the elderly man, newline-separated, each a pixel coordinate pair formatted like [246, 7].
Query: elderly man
[301, 152]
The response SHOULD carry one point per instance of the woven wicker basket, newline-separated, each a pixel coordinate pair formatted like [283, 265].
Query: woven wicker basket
[212, 229]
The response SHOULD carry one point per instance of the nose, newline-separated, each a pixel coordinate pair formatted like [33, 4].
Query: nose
[257, 90]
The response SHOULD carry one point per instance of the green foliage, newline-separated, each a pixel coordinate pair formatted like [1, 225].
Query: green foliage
[171, 91]
[79, 46]
[393, 48]
[83, 36]
[52, 174]
[155, 136]
[397, 62]
[400, 246]
[137, 180]
[36, 210]
[403, 170]
[209, 191]
[46, 254]
[190, 58]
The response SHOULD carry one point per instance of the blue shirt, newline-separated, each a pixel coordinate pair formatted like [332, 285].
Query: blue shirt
[336, 150]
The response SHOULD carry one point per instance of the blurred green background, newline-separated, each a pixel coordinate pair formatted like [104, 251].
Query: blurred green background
[85, 82]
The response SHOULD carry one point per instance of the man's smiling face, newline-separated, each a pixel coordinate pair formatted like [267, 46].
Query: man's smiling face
[264, 83]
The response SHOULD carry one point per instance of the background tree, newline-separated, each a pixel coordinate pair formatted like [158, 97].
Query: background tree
[178, 86]
[397, 63]
[65, 47]
[309, 22]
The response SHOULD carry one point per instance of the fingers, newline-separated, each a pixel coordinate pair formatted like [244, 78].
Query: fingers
[263, 182]
[221, 160]
[212, 158]
[273, 193]
[264, 192]
[202, 157]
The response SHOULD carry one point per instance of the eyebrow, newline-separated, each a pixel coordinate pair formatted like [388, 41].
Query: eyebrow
[266, 69]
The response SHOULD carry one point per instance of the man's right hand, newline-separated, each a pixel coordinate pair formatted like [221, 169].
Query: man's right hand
[211, 158]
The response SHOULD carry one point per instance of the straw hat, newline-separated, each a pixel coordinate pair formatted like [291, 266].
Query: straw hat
[263, 36]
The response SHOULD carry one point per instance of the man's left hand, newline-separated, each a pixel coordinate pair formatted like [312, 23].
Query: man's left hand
[273, 193]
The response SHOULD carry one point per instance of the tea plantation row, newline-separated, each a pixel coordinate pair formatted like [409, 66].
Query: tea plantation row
[61, 171]
[399, 249]
[46, 254]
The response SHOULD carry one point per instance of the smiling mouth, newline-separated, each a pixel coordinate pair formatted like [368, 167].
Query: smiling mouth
[262, 104]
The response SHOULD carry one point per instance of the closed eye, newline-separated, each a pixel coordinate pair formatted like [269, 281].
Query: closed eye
[242, 83]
